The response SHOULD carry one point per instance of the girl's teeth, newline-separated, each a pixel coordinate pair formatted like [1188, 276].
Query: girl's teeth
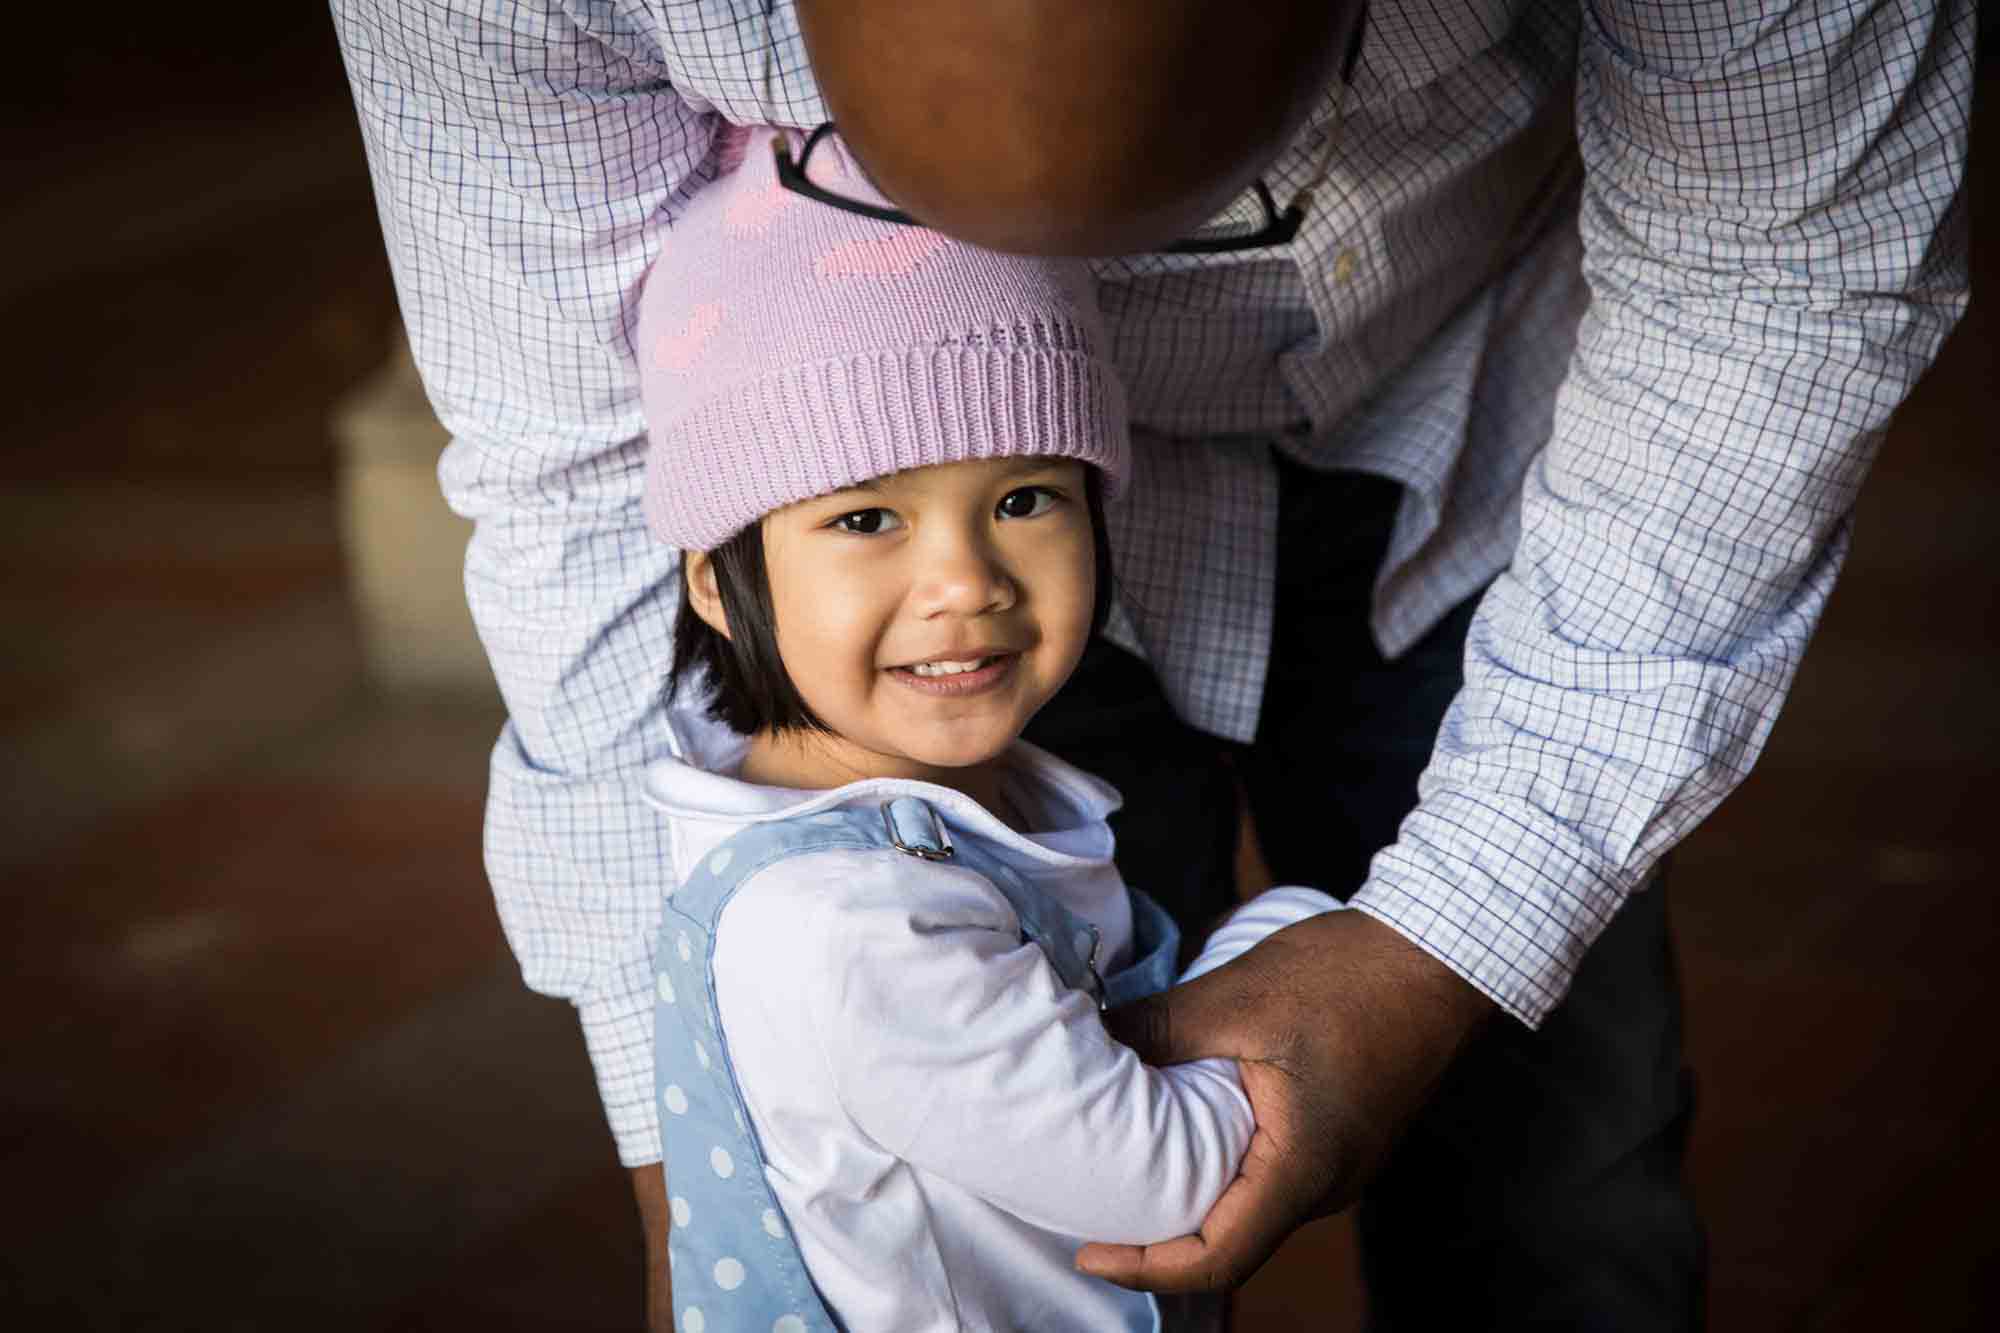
[948, 668]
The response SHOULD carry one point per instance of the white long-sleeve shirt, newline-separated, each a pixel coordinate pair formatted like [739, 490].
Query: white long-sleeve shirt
[944, 1122]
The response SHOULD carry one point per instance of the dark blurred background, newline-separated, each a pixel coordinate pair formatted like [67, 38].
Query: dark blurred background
[268, 1062]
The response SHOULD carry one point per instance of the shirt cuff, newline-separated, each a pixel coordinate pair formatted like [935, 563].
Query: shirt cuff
[1508, 901]
[618, 1033]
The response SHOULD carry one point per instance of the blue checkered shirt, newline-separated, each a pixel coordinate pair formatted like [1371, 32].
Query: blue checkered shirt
[1623, 294]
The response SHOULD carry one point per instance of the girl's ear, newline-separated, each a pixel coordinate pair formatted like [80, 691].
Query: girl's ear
[702, 593]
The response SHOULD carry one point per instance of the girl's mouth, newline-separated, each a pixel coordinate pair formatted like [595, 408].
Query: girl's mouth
[968, 676]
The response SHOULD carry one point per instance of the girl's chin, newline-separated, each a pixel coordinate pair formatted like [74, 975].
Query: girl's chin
[952, 758]
[918, 758]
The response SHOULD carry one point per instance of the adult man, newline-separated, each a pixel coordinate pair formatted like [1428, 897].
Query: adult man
[1345, 439]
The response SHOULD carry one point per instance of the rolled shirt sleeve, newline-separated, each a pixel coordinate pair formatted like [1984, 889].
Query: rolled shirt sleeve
[1774, 238]
[528, 159]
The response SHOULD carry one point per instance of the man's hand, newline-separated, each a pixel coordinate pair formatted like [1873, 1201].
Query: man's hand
[649, 1187]
[1342, 1027]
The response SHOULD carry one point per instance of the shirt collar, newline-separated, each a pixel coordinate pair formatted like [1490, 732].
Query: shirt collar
[1070, 806]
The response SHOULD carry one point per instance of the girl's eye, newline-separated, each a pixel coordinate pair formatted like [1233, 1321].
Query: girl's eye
[1028, 502]
[868, 522]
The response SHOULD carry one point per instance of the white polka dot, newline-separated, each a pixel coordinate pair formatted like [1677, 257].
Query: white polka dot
[666, 988]
[728, 1274]
[675, 1099]
[737, 1111]
[720, 861]
[789, 1323]
[687, 949]
[701, 1055]
[773, 1227]
[692, 1319]
[724, 1164]
[681, 1210]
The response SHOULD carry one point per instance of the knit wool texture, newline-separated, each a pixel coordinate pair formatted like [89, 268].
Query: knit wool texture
[788, 349]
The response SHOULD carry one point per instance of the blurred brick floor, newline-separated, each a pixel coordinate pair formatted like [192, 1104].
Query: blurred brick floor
[268, 1063]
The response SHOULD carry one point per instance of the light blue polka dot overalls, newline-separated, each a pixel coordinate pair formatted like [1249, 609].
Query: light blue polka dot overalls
[735, 1265]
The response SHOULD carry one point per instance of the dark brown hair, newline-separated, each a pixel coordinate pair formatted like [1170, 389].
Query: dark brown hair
[751, 689]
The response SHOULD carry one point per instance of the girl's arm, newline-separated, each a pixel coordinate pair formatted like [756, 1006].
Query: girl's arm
[953, 1045]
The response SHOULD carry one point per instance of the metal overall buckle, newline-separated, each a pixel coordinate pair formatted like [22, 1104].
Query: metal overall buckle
[941, 851]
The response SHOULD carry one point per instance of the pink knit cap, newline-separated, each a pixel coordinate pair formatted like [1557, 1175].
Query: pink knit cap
[787, 349]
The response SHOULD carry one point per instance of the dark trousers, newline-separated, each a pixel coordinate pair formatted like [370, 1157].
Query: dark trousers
[1542, 1186]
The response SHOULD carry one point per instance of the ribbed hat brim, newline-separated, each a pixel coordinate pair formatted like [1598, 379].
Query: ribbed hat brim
[891, 411]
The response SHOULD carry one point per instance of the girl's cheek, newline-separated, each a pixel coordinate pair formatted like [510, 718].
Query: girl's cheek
[1070, 560]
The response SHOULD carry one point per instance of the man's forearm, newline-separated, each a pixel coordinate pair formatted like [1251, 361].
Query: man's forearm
[1773, 231]
[1344, 992]
[524, 168]
[1338, 991]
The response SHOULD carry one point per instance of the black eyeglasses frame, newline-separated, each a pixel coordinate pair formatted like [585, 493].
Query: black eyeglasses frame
[1278, 229]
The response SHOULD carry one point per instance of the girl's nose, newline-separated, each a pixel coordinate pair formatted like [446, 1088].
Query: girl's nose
[963, 578]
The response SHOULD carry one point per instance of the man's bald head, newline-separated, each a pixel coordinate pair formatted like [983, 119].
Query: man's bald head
[1071, 126]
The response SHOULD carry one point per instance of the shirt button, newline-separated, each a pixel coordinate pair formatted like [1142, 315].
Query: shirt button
[1343, 267]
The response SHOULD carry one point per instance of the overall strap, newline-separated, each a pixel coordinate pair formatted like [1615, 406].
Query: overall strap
[909, 825]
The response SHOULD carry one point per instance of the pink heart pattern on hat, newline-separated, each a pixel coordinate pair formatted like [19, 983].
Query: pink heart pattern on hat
[894, 255]
[677, 351]
[752, 211]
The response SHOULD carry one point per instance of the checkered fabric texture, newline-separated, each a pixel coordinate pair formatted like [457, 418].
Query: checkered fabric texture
[1624, 294]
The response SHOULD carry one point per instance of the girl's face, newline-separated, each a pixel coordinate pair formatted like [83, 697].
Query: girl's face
[926, 616]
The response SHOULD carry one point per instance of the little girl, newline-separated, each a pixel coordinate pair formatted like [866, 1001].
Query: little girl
[887, 1098]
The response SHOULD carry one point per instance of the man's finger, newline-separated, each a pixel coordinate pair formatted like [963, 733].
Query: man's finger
[1248, 1223]
[1142, 1267]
